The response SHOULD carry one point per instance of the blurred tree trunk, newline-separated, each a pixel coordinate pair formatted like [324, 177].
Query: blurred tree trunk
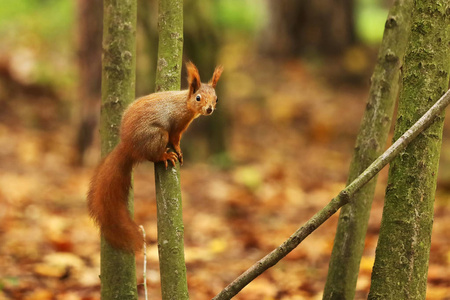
[167, 181]
[322, 26]
[118, 271]
[202, 44]
[402, 255]
[353, 219]
[148, 32]
[90, 16]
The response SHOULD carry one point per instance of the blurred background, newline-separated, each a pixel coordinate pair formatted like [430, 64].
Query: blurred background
[276, 151]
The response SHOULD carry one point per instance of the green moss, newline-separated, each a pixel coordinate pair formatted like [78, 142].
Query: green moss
[422, 26]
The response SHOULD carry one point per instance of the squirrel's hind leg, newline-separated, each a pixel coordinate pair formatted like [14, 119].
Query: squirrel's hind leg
[156, 149]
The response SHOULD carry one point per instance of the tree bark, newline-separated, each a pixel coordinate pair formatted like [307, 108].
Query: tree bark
[118, 270]
[167, 182]
[401, 262]
[353, 219]
[170, 45]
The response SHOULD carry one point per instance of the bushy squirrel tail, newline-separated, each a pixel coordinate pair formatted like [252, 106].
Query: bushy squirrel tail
[107, 201]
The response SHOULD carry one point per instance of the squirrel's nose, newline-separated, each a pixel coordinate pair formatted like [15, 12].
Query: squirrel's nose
[209, 110]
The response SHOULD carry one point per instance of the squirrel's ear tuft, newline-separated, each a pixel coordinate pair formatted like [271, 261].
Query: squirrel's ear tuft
[217, 72]
[193, 78]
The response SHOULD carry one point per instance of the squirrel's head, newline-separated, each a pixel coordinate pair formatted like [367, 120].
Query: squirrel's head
[202, 97]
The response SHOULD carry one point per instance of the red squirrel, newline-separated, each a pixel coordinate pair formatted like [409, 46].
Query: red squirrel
[148, 125]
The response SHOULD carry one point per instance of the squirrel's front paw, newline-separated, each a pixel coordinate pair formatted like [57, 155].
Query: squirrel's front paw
[172, 156]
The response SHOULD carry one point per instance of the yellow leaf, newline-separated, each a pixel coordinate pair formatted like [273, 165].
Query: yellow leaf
[367, 263]
[218, 245]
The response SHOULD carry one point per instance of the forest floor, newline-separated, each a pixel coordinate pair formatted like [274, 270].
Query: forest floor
[291, 137]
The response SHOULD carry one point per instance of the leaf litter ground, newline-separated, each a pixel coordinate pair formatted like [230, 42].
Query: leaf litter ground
[291, 139]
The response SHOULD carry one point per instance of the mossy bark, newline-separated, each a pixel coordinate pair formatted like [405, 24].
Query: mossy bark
[118, 271]
[170, 45]
[353, 219]
[170, 233]
[401, 262]
[168, 191]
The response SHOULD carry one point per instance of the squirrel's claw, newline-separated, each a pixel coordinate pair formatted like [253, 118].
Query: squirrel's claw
[173, 160]
[179, 154]
[169, 156]
[180, 157]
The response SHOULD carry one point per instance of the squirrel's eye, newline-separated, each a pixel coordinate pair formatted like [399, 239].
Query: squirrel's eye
[217, 99]
[198, 98]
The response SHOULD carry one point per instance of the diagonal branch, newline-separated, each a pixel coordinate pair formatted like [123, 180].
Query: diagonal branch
[333, 206]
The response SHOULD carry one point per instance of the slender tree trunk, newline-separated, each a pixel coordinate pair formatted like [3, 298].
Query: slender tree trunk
[401, 262]
[353, 219]
[170, 45]
[168, 191]
[118, 271]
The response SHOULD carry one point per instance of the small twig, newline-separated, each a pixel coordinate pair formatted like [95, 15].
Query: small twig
[144, 273]
[333, 206]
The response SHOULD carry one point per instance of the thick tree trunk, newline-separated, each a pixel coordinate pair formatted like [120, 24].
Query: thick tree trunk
[401, 262]
[90, 71]
[168, 191]
[322, 26]
[118, 271]
[353, 219]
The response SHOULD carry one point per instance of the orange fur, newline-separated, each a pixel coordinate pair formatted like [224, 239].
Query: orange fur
[148, 125]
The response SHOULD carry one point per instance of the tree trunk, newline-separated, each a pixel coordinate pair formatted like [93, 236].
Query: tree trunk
[324, 26]
[118, 271]
[401, 262]
[90, 71]
[167, 182]
[353, 219]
